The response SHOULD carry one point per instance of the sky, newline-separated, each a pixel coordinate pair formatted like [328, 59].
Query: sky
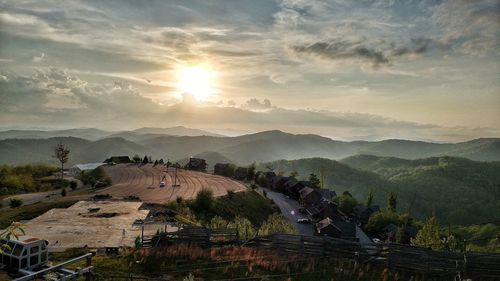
[423, 70]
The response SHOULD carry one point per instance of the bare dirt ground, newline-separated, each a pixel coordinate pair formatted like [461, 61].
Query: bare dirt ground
[144, 181]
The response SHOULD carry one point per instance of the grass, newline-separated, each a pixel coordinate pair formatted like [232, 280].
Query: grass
[7, 216]
[177, 261]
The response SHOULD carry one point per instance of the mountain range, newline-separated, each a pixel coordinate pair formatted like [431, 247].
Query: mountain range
[259, 147]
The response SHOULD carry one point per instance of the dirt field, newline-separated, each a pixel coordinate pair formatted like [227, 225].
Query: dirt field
[144, 181]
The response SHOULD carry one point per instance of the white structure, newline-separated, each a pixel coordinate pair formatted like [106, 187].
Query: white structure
[77, 169]
[24, 253]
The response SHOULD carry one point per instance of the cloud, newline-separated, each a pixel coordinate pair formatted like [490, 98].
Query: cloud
[471, 26]
[374, 53]
[342, 50]
[52, 97]
[40, 58]
[255, 104]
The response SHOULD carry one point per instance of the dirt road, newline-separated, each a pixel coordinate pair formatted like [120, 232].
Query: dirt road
[144, 181]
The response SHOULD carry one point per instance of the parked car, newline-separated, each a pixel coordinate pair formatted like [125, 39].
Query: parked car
[304, 221]
[162, 184]
[100, 184]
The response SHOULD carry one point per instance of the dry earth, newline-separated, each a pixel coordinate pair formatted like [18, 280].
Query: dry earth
[144, 181]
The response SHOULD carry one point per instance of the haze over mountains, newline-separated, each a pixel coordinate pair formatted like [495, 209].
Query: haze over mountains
[93, 145]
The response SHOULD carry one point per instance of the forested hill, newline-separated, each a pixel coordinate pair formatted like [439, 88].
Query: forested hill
[260, 147]
[459, 190]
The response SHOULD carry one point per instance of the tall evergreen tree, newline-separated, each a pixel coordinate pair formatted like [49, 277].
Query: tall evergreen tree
[314, 181]
[392, 202]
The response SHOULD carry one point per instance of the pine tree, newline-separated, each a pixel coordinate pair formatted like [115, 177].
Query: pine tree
[369, 200]
[392, 202]
[314, 181]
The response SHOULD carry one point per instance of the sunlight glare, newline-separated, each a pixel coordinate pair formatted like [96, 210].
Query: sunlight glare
[197, 81]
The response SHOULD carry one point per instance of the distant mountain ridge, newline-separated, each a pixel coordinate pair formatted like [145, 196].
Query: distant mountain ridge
[96, 134]
[260, 147]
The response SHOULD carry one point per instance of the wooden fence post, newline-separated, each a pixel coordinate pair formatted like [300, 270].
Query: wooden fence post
[88, 276]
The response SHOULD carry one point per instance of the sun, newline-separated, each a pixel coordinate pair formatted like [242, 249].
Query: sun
[197, 81]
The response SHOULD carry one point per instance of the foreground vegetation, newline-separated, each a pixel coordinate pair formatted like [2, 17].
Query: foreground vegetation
[190, 262]
[249, 212]
[28, 178]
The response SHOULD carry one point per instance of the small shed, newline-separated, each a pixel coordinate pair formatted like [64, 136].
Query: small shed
[196, 164]
[118, 160]
[224, 169]
[24, 252]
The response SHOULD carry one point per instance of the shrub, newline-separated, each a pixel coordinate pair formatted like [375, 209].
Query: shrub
[15, 202]
[73, 185]
[204, 201]
[230, 193]
[63, 192]
[276, 223]
[346, 203]
[178, 200]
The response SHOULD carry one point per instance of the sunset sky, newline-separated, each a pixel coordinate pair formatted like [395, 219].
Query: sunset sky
[345, 69]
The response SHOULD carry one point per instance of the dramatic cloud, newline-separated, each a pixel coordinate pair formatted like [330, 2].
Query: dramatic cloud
[420, 61]
[55, 98]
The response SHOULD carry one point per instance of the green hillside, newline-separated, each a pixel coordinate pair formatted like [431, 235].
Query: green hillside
[459, 190]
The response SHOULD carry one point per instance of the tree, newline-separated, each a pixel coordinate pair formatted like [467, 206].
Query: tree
[61, 153]
[428, 236]
[322, 174]
[161, 161]
[314, 181]
[155, 163]
[145, 160]
[369, 199]
[63, 192]
[204, 200]
[392, 202]
[346, 203]
[136, 158]
[73, 185]
[251, 172]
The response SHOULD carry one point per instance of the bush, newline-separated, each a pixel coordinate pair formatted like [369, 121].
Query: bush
[346, 203]
[15, 202]
[73, 185]
[92, 177]
[204, 201]
[63, 192]
[178, 200]
[378, 221]
[230, 193]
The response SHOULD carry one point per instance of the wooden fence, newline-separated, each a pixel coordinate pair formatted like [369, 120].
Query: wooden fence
[393, 256]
